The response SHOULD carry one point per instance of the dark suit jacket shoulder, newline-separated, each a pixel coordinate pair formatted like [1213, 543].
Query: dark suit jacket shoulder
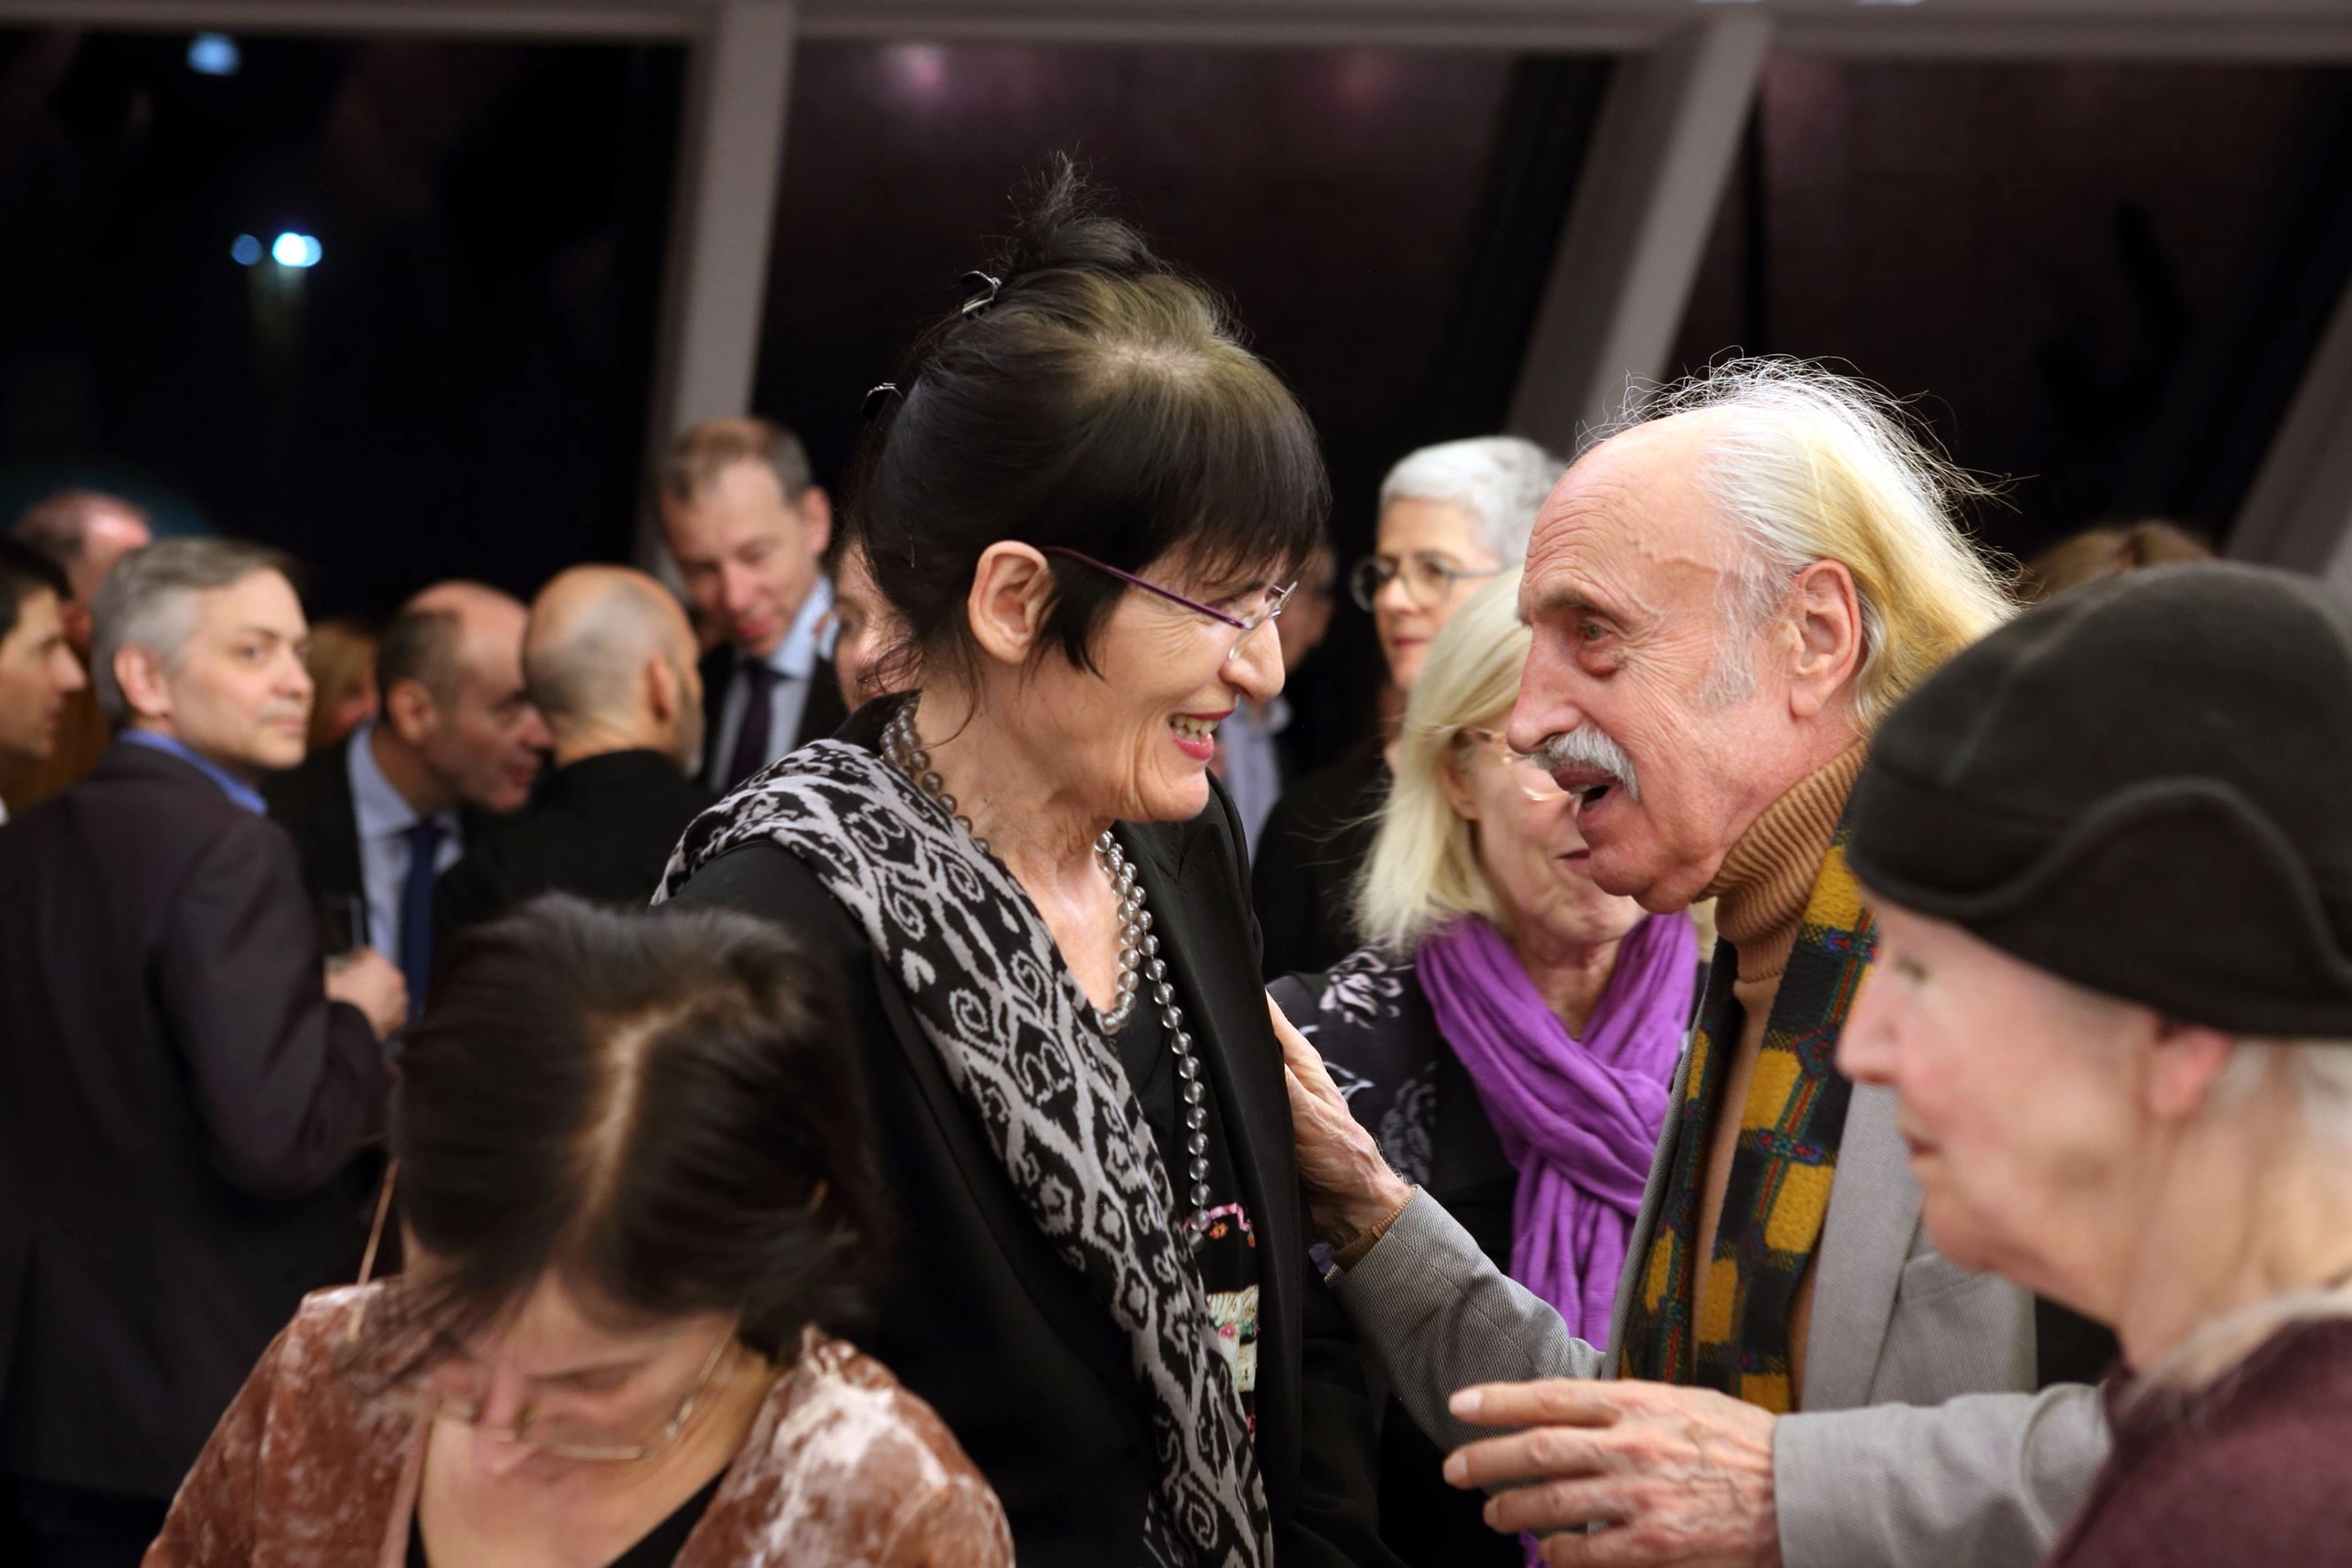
[1313, 844]
[182, 1110]
[313, 801]
[602, 828]
[983, 1318]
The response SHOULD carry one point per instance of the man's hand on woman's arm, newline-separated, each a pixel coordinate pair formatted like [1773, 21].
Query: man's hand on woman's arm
[1351, 1195]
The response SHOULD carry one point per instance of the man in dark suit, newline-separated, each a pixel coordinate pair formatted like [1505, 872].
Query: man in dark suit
[748, 528]
[458, 744]
[185, 1097]
[610, 661]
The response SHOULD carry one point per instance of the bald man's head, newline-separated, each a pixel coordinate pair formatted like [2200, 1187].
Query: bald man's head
[450, 673]
[610, 658]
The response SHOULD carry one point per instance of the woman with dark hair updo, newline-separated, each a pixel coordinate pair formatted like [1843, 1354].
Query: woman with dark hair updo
[1085, 502]
[633, 1197]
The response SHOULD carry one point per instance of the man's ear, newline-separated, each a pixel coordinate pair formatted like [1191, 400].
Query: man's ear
[409, 710]
[662, 693]
[2182, 1067]
[1012, 588]
[817, 520]
[141, 675]
[1825, 612]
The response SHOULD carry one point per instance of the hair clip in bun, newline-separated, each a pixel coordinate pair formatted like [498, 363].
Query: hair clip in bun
[978, 292]
[876, 399]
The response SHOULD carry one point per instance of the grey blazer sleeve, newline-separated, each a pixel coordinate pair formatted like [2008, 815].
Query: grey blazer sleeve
[1986, 1480]
[1434, 1314]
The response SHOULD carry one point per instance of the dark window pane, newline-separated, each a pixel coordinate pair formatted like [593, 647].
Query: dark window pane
[2106, 280]
[1380, 220]
[458, 384]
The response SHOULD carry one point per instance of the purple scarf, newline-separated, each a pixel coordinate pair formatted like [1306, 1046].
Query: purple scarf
[1579, 1118]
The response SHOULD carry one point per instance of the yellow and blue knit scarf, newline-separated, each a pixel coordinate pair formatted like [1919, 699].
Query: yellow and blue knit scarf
[1778, 1190]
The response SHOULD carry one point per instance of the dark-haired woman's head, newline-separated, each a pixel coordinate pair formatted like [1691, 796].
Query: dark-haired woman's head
[627, 1144]
[1090, 417]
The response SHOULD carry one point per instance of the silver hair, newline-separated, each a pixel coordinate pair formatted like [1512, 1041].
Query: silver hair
[1813, 465]
[1587, 747]
[1501, 481]
[149, 600]
[2317, 1075]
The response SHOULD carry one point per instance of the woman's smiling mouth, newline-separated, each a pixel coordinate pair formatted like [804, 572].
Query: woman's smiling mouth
[1196, 733]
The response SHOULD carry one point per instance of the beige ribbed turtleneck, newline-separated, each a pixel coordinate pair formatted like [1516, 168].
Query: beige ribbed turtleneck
[1760, 892]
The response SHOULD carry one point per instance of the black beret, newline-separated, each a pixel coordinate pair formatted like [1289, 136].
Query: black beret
[2144, 786]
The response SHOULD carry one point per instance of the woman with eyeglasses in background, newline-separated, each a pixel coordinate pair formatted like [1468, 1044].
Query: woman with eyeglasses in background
[635, 1202]
[1452, 517]
[1509, 1032]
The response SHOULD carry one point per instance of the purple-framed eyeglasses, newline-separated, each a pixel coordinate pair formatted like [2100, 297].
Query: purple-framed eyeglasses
[1274, 597]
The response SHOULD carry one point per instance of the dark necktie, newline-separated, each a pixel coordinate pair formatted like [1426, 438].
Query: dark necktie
[758, 719]
[417, 911]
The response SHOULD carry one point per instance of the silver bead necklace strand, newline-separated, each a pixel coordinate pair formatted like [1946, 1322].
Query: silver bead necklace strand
[900, 745]
[1139, 962]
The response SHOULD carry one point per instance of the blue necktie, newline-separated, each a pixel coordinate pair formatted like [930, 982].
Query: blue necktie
[417, 911]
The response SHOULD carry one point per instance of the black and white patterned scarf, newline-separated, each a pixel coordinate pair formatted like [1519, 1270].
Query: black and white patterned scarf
[982, 975]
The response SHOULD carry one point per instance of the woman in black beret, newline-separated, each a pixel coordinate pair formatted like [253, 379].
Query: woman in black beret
[2110, 850]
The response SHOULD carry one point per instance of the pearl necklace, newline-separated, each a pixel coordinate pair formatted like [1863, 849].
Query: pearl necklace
[1139, 960]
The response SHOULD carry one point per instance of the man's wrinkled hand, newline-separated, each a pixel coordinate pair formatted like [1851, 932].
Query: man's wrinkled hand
[1679, 1476]
[1349, 1188]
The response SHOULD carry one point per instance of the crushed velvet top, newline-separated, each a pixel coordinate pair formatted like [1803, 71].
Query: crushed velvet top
[841, 1469]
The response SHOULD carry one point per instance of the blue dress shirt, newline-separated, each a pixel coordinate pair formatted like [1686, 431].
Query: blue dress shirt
[385, 819]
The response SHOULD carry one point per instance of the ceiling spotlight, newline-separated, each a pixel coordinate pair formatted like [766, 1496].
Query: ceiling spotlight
[246, 251]
[213, 54]
[296, 250]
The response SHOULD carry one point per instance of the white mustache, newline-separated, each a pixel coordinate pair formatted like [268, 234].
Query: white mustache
[1586, 747]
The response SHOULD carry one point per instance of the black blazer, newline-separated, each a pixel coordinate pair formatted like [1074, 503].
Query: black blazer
[1313, 844]
[821, 713]
[602, 828]
[182, 1117]
[313, 801]
[977, 1313]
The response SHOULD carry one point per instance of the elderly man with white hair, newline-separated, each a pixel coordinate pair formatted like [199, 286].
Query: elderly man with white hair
[1453, 517]
[1726, 597]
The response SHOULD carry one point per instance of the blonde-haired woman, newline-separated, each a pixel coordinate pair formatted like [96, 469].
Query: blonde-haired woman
[1510, 1032]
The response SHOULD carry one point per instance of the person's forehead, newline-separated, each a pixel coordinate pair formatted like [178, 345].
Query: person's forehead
[489, 640]
[741, 498]
[1410, 524]
[124, 529]
[37, 621]
[1632, 516]
[264, 599]
[551, 1332]
[39, 608]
